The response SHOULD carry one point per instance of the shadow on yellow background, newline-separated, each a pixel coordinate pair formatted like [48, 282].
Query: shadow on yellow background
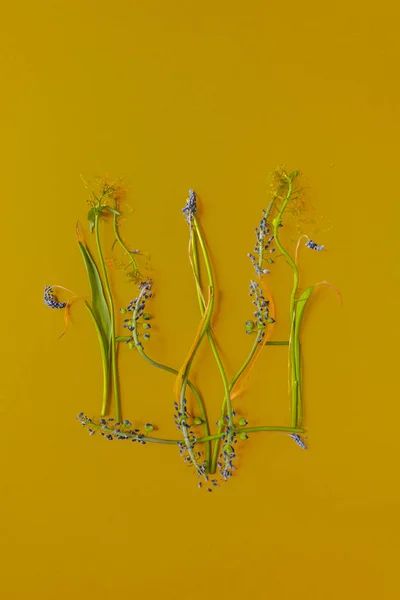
[209, 95]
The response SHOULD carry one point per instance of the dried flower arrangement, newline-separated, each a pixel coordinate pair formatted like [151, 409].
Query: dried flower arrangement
[208, 453]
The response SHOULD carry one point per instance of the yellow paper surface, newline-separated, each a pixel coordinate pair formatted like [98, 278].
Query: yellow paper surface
[209, 95]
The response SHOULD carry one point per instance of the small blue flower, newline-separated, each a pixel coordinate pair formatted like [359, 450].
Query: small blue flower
[314, 246]
[299, 440]
[50, 299]
[190, 207]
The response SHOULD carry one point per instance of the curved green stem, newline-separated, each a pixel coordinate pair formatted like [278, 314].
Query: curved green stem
[185, 379]
[205, 439]
[210, 335]
[246, 362]
[120, 240]
[168, 369]
[227, 405]
[294, 376]
[112, 317]
[221, 426]
[192, 387]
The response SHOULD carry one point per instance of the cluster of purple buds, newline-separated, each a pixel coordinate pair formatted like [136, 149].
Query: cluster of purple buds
[181, 417]
[137, 306]
[193, 457]
[298, 440]
[183, 451]
[261, 313]
[202, 475]
[259, 271]
[50, 298]
[111, 430]
[228, 455]
[314, 246]
[263, 243]
[190, 207]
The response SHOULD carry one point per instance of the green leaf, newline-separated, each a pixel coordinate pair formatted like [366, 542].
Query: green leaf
[301, 305]
[111, 210]
[293, 175]
[99, 312]
[99, 303]
[91, 218]
[105, 357]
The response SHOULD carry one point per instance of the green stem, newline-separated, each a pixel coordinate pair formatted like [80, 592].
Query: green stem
[120, 240]
[192, 387]
[112, 317]
[300, 309]
[199, 236]
[221, 426]
[270, 428]
[205, 439]
[300, 382]
[227, 405]
[105, 363]
[292, 349]
[210, 335]
[158, 365]
[247, 362]
[185, 379]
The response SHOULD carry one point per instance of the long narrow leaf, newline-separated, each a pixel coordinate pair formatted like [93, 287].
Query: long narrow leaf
[105, 357]
[301, 305]
[100, 314]
[99, 304]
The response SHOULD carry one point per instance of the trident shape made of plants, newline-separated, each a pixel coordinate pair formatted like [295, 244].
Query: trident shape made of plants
[206, 452]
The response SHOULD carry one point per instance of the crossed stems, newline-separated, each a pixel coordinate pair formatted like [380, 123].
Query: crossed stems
[294, 344]
[196, 235]
[163, 367]
[206, 439]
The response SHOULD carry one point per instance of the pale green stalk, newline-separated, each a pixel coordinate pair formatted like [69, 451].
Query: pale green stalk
[226, 406]
[120, 240]
[114, 370]
[294, 356]
[185, 376]
[205, 439]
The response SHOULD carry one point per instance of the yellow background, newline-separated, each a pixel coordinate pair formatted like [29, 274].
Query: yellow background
[211, 95]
